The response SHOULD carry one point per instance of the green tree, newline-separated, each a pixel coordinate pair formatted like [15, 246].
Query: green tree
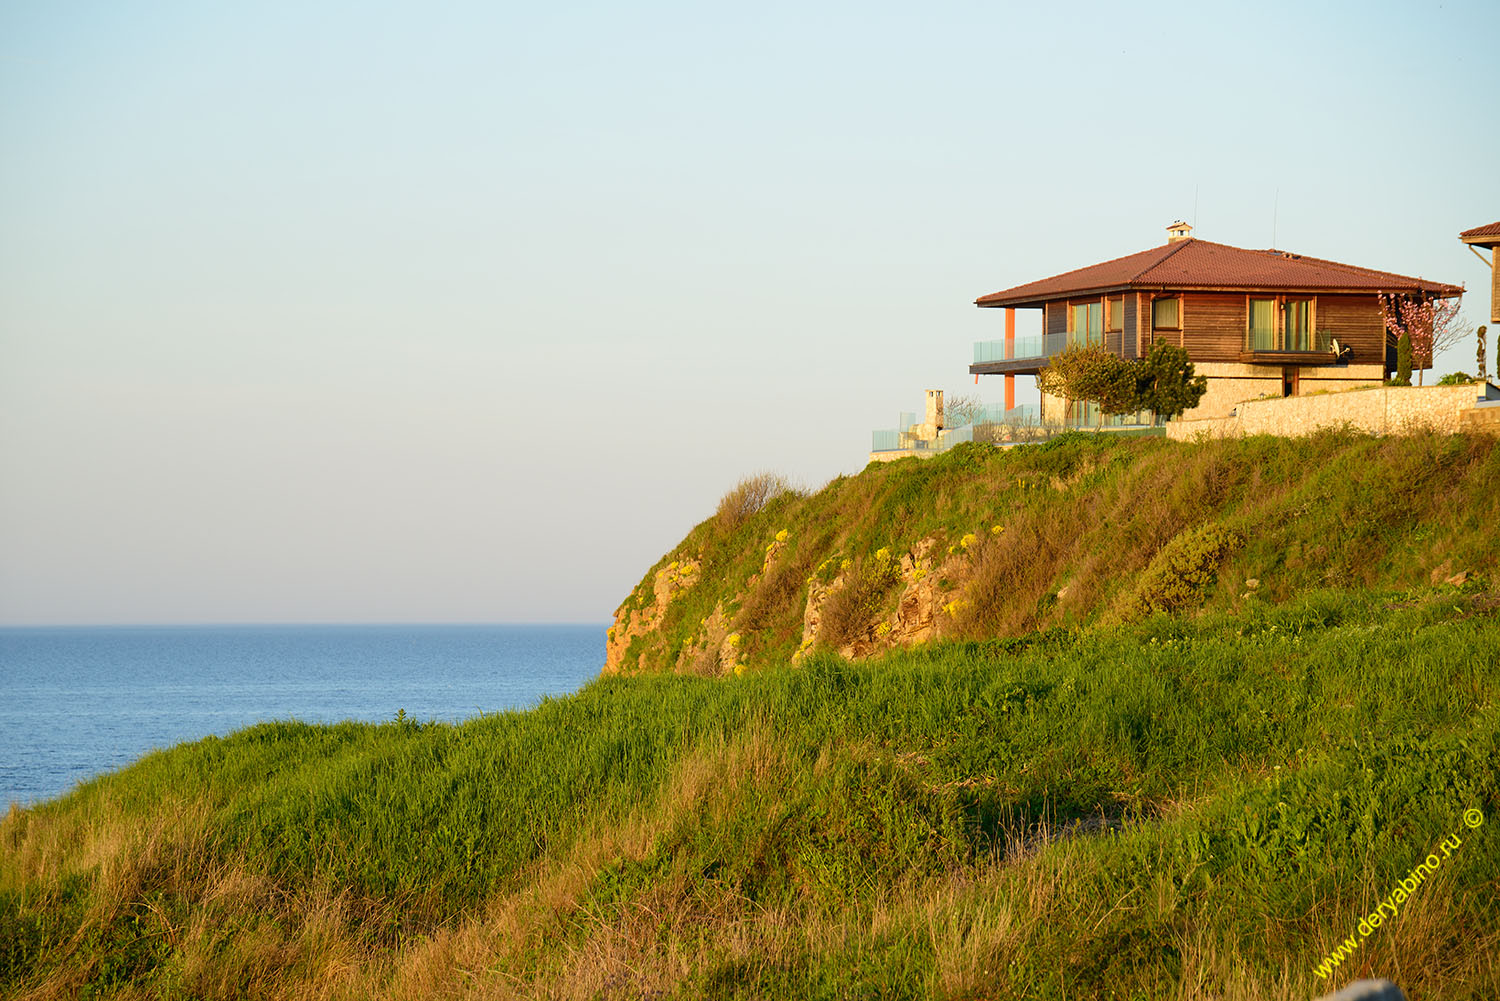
[1162, 382]
[1165, 383]
[1093, 374]
[1403, 360]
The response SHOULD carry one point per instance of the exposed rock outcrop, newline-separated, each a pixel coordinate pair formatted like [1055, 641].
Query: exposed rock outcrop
[921, 595]
[637, 622]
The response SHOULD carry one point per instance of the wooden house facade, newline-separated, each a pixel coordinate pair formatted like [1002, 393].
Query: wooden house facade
[1488, 238]
[1256, 322]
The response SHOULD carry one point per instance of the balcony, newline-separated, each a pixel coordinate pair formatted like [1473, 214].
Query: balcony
[1278, 347]
[1040, 346]
[1028, 355]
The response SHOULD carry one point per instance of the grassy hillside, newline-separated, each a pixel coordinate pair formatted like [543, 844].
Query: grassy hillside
[1122, 803]
[1004, 542]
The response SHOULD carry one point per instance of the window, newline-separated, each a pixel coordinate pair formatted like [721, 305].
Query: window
[1296, 324]
[1165, 314]
[1087, 323]
[1280, 324]
[1114, 314]
[1261, 335]
[1084, 414]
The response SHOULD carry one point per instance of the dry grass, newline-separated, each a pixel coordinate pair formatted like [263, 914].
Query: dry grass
[850, 608]
[747, 498]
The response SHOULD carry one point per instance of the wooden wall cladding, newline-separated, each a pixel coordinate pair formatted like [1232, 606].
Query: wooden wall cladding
[1215, 322]
[1356, 321]
[1213, 325]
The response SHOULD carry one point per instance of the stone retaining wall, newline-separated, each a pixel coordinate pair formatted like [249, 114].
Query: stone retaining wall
[1381, 410]
[1229, 383]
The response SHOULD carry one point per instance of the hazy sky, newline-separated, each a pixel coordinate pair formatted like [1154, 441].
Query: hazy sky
[468, 311]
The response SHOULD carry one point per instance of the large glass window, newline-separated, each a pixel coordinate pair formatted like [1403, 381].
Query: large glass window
[1262, 332]
[1088, 323]
[1296, 324]
[1165, 314]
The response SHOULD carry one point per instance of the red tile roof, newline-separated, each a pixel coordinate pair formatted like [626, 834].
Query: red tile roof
[1195, 263]
[1485, 236]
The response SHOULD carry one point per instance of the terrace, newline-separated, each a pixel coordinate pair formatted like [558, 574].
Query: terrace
[1027, 355]
[998, 426]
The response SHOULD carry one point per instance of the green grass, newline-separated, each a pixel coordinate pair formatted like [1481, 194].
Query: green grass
[1245, 783]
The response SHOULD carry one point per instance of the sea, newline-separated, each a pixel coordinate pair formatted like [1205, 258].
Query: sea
[77, 702]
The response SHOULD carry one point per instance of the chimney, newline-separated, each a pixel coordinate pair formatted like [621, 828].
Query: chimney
[1179, 230]
[935, 409]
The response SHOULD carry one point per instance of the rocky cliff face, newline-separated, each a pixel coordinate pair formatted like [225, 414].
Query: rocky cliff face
[634, 622]
[917, 602]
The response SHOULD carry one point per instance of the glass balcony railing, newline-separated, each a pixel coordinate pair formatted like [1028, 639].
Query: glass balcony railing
[1039, 346]
[996, 425]
[1042, 346]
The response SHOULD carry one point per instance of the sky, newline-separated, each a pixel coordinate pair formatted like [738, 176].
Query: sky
[467, 312]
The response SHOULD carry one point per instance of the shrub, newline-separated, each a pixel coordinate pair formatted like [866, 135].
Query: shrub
[1162, 382]
[1010, 571]
[849, 609]
[1091, 373]
[748, 497]
[1456, 379]
[1165, 383]
[1403, 360]
[1178, 576]
[967, 455]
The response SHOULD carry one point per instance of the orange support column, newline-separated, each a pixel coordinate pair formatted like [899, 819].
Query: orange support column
[1010, 352]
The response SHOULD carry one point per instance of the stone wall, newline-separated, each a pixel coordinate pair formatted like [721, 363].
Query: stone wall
[1381, 410]
[1231, 383]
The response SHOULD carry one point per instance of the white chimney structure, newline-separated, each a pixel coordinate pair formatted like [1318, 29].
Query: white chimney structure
[935, 409]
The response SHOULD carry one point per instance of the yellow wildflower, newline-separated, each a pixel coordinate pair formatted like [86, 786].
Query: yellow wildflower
[781, 535]
[968, 540]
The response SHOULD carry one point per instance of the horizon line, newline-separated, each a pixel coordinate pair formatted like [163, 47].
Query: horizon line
[311, 624]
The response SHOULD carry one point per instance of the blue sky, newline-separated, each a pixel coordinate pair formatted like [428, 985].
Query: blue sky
[467, 312]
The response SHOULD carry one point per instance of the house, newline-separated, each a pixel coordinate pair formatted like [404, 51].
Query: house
[1488, 237]
[1256, 322]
